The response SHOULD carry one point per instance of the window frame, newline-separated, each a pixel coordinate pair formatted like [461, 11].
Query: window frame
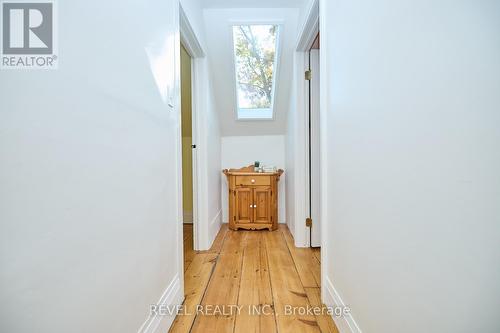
[277, 57]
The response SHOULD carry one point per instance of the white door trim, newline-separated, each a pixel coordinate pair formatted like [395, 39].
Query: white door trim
[315, 22]
[315, 148]
[178, 159]
[310, 29]
[306, 38]
[191, 44]
[325, 65]
[188, 37]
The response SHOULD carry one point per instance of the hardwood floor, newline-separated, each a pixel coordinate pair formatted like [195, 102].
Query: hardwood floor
[251, 281]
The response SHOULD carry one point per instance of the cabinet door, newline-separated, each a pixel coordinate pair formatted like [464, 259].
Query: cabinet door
[262, 205]
[243, 205]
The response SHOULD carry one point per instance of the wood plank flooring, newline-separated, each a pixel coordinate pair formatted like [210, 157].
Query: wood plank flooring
[251, 281]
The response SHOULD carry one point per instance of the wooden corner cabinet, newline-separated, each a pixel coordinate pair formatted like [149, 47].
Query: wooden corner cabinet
[253, 198]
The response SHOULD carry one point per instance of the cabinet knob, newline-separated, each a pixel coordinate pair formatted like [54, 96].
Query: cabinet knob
[253, 180]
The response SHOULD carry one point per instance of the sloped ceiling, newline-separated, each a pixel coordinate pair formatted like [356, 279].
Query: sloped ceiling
[218, 23]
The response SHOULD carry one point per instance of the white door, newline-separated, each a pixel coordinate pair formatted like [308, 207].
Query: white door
[315, 231]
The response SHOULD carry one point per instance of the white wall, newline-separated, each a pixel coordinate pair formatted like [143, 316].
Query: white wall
[220, 52]
[208, 143]
[240, 151]
[89, 207]
[412, 162]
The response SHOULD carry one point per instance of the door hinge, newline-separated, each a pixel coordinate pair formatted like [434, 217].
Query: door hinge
[234, 218]
[309, 222]
[307, 75]
[193, 146]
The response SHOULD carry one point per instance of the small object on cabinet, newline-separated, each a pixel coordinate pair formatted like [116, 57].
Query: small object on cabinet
[256, 166]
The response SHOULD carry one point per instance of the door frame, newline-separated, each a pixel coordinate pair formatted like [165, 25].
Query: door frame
[308, 33]
[314, 149]
[315, 22]
[191, 44]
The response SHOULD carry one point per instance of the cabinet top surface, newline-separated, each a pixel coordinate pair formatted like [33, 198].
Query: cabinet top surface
[239, 173]
[248, 171]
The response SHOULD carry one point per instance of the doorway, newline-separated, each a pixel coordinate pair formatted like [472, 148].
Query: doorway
[313, 143]
[187, 155]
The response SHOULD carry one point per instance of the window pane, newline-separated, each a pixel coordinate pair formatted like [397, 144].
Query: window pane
[255, 52]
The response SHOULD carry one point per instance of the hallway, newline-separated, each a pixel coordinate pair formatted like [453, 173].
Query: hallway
[248, 271]
[363, 136]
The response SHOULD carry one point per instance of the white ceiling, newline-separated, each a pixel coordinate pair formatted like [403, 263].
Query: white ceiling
[220, 54]
[251, 3]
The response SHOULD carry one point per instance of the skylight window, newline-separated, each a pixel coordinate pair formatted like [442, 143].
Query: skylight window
[255, 59]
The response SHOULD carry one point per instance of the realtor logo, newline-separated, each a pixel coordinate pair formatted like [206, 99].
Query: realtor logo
[28, 35]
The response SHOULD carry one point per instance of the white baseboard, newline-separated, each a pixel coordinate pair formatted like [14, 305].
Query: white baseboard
[173, 295]
[187, 216]
[345, 323]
